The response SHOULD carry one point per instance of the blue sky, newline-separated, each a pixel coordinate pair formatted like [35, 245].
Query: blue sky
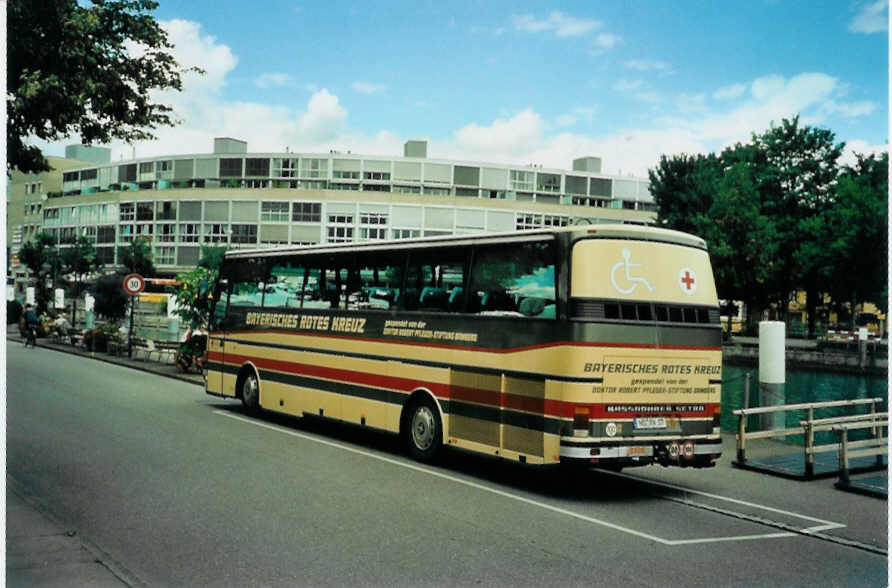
[524, 82]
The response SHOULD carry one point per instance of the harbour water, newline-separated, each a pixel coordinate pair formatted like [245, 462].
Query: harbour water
[801, 386]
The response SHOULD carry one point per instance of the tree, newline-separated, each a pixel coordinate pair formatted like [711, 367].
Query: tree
[683, 186]
[137, 257]
[84, 69]
[41, 257]
[856, 251]
[110, 298]
[191, 293]
[79, 260]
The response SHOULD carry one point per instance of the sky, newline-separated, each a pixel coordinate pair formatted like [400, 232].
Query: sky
[520, 83]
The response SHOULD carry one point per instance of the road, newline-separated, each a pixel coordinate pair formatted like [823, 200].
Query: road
[176, 488]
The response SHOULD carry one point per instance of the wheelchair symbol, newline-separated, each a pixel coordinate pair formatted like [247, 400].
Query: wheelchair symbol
[634, 281]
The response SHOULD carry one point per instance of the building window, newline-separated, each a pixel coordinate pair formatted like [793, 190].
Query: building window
[340, 234]
[125, 233]
[127, 211]
[314, 168]
[376, 188]
[167, 233]
[340, 228]
[285, 168]
[407, 189]
[145, 230]
[307, 212]
[345, 187]
[274, 211]
[146, 167]
[345, 175]
[230, 167]
[312, 185]
[436, 191]
[548, 182]
[216, 233]
[380, 176]
[166, 210]
[255, 184]
[165, 255]
[373, 218]
[372, 234]
[552, 220]
[144, 211]
[189, 232]
[472, 192]
[257, 166]
[528, 221]
[521, 180]
[404, 233]
[105, 234]
[244, 234]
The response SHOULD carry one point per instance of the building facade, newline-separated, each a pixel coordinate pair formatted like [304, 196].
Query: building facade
[234, 198]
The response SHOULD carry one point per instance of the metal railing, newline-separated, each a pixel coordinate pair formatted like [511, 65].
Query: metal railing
[849, 450]
[807, 426]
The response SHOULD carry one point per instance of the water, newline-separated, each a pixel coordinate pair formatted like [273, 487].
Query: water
[802, 386]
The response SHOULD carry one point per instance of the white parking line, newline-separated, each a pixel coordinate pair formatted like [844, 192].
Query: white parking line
[824, 526]
[522, 499]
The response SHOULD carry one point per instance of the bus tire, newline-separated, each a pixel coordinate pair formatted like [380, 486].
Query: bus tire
[249, 390]
[423, 433]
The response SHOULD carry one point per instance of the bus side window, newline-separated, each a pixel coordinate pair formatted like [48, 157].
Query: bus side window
[284, 287]
[221, 302]
[435, 281]
[515, 280]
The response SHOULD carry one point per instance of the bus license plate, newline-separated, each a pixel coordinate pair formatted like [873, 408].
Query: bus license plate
[650, 423]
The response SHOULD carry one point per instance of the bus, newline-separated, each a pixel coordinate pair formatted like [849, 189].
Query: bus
[596, 345]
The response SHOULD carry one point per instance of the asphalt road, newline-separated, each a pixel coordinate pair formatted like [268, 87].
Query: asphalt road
[177, 488]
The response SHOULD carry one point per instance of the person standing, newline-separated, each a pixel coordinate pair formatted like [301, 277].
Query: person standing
[30, 326]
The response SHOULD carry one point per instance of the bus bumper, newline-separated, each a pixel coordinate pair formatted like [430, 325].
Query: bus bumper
[697, 453]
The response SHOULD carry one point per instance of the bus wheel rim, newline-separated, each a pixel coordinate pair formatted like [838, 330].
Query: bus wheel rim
[424, 428]
[249, 390]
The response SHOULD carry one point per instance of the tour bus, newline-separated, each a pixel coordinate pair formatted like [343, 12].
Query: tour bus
[596, 345]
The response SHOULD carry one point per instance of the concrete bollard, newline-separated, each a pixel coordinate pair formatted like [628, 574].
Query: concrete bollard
[772, 370]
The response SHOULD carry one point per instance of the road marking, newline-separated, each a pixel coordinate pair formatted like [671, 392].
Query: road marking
[576, 515]
[824, 526]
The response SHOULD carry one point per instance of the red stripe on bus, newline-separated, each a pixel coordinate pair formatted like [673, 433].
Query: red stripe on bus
[492, 398]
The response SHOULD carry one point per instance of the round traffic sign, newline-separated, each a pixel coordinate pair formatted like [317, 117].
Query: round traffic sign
[134, 284]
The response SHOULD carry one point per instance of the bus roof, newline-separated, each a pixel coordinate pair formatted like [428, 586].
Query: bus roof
[608, 231]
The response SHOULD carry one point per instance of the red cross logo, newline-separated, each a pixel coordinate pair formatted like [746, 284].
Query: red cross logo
[687, 281]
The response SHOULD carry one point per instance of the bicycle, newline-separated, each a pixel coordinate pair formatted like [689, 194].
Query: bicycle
[31, 336]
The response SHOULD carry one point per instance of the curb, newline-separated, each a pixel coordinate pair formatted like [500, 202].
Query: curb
[195, 379]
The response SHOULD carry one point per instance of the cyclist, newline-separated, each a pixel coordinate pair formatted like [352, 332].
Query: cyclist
[30, 326]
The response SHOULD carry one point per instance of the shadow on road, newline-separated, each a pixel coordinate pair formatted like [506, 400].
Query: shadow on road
[551, 481]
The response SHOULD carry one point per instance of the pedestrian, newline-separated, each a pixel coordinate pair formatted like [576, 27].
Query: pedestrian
[31, 321]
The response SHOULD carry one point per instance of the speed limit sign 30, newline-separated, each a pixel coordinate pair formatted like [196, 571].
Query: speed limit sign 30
[134, 284]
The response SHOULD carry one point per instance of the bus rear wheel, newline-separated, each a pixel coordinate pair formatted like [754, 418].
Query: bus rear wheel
[250, 391]
[423, 433]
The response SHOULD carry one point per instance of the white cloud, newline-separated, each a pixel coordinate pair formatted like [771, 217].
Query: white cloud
[510, 135]
[558, 23]
[606, 40]
[862, 148]
[649, 65]
[368, 87]
[624, 85]
[851, 109]
[729, 92]
[274, 79]
[324, 117]
[872, 18]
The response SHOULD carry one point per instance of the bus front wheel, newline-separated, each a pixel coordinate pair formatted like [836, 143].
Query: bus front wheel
[250, 390]
[424, 431]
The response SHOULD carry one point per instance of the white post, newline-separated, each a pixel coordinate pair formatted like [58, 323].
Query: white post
[772, 369]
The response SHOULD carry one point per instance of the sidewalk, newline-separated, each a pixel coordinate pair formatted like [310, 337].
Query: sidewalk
[39, 550]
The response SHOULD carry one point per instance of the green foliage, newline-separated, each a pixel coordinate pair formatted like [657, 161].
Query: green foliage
[91, 70]
[212, 258]
[38, 251]
[14, 311]
[110, 298]
[779, 217]
[191, 296]
[137, 258]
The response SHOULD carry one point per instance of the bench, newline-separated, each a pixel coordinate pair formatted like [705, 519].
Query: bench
[149, 347]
